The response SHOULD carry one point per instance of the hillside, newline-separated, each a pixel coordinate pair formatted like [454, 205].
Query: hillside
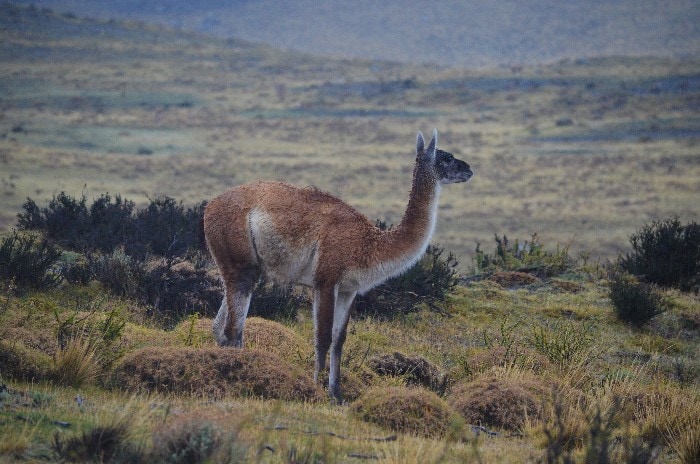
[450, 33]
[580, 151]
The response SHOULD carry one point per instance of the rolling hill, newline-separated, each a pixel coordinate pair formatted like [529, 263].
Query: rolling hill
[448, 32]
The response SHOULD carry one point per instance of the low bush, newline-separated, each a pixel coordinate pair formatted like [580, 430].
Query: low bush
[635, 302]
[665, 253]
[528, 256]
[164, 227]
[175, 288]
[405, 410]
[214, 372]
[562, 343]
[27, 261]
[275, 302]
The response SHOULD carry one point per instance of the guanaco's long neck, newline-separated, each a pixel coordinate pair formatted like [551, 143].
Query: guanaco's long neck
[406, 243]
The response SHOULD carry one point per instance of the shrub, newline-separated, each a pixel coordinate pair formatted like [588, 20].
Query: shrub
[214, 372]
[561, 343]
[166, 228]
[666, 253]
[175, 288]
[275, 302]
[528, 256]
[117, 272]
[635, 302]
[202, 435]
[406, 410]
[110, 223]
[27, 261]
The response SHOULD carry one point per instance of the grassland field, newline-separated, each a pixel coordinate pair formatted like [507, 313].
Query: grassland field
[582, 152]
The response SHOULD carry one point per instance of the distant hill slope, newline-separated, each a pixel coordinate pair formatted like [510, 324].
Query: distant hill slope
[447, 32]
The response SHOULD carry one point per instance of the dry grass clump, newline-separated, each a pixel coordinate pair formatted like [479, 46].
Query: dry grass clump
[513, 279]
[196, 437]
[407, 410]
[17, 361]
[273, 337]
[77, 363]
[503, 403]
[499, 356]
[567, 285]
[415, 370]
[261, 334]
[108, 439]
[214, 372]
[671, 417]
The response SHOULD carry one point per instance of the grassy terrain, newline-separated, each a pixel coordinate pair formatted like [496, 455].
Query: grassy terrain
[643, 381]
[582, 152]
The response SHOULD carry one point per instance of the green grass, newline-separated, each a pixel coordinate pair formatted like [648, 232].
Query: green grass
[482, 317]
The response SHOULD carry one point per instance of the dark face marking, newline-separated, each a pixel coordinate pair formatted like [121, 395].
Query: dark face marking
[451, 170]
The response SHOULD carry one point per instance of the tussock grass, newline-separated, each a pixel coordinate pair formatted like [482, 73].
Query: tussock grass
[77, 363]
[15, 441]
[407, 410]
[214, 372]
[112, 433]
[502, 403]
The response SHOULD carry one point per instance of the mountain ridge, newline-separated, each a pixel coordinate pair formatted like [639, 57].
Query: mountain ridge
[449, 33]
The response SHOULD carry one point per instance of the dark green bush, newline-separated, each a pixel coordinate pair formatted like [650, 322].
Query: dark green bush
[175, 288]
[666, 253]
[528, 256]
[275, 302]
[27, 261]
[164, 227]
[635, 302]
[428, 282]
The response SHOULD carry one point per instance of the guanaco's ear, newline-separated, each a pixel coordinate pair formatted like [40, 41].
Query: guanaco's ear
[432, 145]
[420, 144]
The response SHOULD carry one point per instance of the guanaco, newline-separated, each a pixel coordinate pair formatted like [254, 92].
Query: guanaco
[308, 237]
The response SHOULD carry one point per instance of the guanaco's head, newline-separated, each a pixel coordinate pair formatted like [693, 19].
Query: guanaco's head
[444, 167]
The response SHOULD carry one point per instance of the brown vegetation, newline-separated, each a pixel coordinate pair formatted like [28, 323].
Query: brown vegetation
[498, 402]
[407, 410]
[415, 370]
[214, 372]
